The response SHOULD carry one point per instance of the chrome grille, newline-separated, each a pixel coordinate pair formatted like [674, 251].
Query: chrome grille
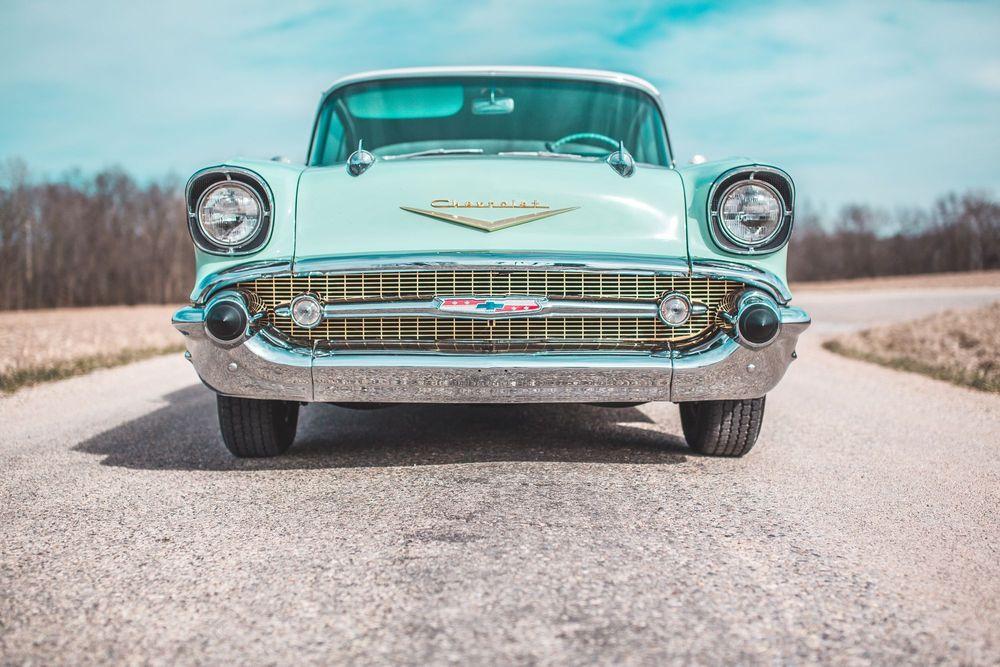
[442, 333]
[524, 333]
[401, 285]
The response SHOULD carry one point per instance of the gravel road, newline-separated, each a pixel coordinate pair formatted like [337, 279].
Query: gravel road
[863, 528]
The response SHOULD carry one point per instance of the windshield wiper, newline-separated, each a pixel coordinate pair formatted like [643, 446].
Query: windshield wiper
[435, 151]
[571, 156]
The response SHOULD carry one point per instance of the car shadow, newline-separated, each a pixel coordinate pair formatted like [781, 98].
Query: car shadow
[184, 435]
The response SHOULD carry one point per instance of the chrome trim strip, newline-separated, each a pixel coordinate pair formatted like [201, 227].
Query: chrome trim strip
[418, 346]
[583, 262]
[235, 274]
[557, 308]
[750, 275]
[589, 262]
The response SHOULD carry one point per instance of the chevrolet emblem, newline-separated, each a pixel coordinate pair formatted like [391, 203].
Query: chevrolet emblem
[487, 225]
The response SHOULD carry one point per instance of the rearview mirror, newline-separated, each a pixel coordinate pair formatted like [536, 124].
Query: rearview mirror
[492, 105]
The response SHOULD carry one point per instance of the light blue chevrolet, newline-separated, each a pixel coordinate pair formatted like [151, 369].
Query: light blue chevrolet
[490, 235]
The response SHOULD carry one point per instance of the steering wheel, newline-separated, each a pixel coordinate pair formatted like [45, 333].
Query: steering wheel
[582, 135]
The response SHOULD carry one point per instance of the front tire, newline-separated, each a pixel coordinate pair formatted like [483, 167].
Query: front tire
[253, 428]
[722, 428]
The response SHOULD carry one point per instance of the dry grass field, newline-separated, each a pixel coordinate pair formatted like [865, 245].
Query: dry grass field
[39, 345]
[923, 281]
[961, 347]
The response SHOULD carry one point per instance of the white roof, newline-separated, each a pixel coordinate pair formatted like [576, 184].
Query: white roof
[502, 70]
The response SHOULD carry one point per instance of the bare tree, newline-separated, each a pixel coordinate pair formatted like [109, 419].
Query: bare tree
[957, 233]
[91, 241]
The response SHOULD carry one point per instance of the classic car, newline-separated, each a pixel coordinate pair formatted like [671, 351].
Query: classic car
[490, 235]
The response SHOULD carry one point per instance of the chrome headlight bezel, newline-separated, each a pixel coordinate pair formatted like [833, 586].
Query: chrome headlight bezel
[733, 236]
[775, 181]
[206, 181]
[231, 185]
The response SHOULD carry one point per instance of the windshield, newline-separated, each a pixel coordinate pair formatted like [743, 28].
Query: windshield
[501, 116]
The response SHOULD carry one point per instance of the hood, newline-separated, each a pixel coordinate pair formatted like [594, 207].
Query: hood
[339, 215]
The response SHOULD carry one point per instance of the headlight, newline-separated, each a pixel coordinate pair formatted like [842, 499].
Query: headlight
[230, 213]
[751, 213]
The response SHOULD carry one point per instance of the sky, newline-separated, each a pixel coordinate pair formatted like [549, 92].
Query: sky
[884, 103]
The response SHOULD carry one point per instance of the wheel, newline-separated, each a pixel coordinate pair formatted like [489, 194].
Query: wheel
[722, 428]
[253, 428]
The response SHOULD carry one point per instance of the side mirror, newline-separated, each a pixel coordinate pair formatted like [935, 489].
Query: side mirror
[621, 161]
[359, 161]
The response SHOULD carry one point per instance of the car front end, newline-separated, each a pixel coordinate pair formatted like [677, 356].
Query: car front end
[436, 248]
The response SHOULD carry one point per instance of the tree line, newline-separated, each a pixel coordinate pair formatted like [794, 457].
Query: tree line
[91, 240]
[955, 233]
[106, 239]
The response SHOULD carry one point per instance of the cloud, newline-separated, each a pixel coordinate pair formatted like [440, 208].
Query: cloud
[860, 100]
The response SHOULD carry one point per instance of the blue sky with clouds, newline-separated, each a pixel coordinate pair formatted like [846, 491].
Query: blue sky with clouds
[887, 103]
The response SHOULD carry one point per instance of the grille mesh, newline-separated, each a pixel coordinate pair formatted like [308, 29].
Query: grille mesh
[490, 335]
[396, 286]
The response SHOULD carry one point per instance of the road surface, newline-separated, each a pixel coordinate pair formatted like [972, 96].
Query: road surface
[863, 528]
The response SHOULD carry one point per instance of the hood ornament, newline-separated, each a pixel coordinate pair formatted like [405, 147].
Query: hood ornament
[621, 161]
[359, 161]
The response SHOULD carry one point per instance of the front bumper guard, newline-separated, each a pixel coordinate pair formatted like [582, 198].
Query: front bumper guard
[264, 367]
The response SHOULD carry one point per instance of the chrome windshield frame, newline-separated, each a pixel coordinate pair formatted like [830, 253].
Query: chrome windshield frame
[566, 73]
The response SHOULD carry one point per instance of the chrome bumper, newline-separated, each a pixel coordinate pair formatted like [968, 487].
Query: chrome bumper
[264, 367]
